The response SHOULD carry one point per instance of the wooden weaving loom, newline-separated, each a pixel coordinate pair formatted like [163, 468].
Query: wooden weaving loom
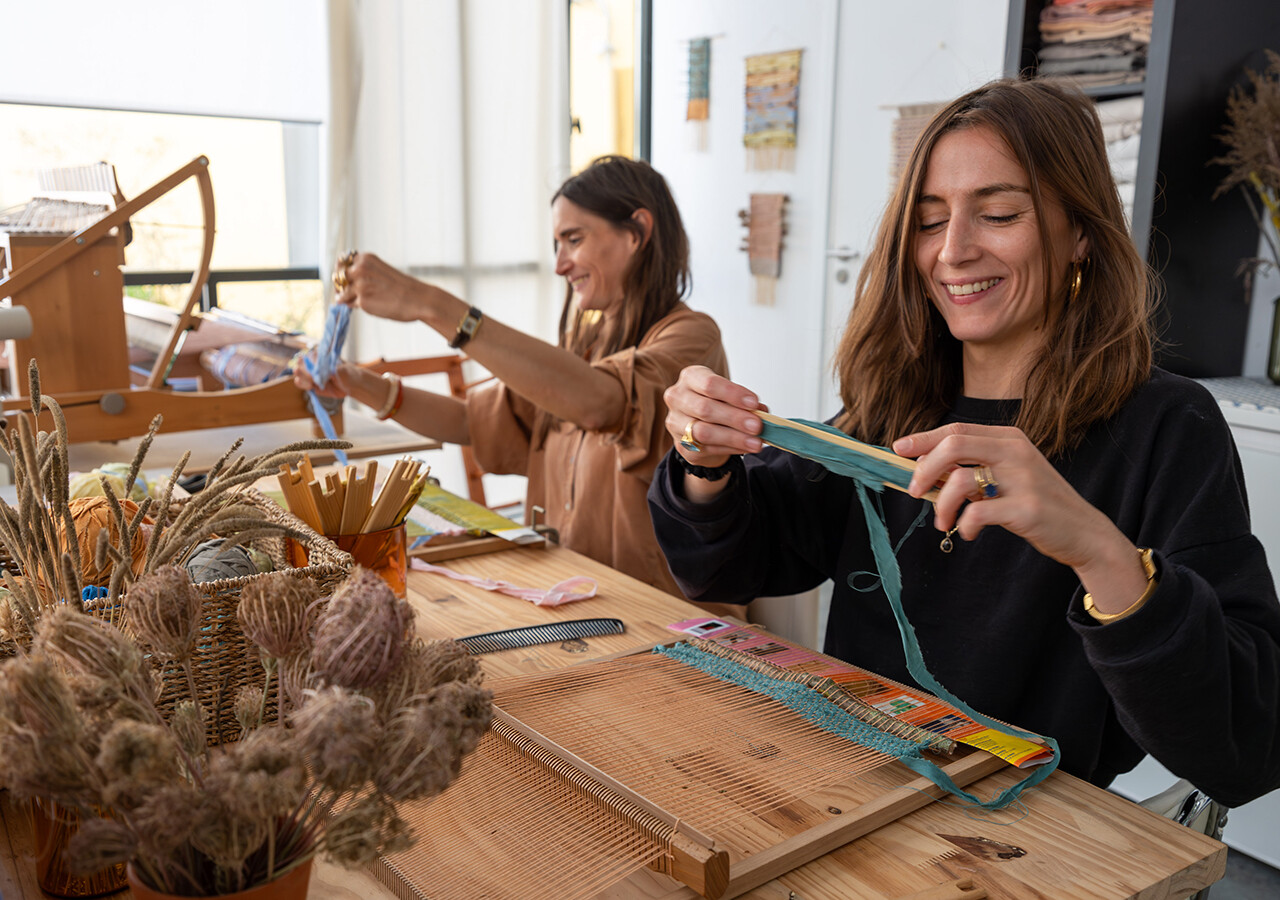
[593, 773]
[64, 266]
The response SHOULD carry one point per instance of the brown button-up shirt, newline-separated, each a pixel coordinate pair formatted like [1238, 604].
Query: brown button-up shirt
[593, 484]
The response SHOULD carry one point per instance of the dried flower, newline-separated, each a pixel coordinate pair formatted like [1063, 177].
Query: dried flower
[136, 758]
[1252, 137]
[425, 744]
[91, 647]
[40, 733]
[99, 843]
[275, 613]
[163, 609]
[365, 829]
[248, 707]
[187, 722]
[263, 775]
[380, 717]
[338, 733]
[361, 635]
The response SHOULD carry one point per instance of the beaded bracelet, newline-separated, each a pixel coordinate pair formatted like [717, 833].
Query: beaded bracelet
[706, 473]
[395, 397]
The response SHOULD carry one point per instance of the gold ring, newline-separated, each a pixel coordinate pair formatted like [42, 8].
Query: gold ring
[687, 441]
[347, 258]
[987, 484]
[340, 280]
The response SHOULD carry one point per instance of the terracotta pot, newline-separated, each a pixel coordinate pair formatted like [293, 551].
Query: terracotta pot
[52, 825]
[290, 886]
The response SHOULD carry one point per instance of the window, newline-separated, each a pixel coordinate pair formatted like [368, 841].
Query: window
[264, 174]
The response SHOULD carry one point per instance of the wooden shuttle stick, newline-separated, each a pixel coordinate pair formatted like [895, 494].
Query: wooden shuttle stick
[878, 453]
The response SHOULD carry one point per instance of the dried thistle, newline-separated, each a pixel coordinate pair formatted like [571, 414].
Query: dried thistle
[248, 707]
[94, 649]
[337, 730]
[79, 725]
[425, 744]
[163, 609]
[188, 724]
[99, 843]
[41, 733]
[275, 613]
[367, 828]
[361, 635]
[136, 758]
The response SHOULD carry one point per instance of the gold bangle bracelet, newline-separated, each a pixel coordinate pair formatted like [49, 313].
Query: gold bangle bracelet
[1148, 566]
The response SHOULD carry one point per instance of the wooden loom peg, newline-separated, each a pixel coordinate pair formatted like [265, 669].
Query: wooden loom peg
[355, 505]
[298, 496]
[391, 497]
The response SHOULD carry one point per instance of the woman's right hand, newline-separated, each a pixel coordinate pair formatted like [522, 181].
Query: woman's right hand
[719, 414]
[303, 381]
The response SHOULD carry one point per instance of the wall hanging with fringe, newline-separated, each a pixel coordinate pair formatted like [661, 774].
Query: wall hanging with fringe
[698, 110]
[765, 224]
[773, 92]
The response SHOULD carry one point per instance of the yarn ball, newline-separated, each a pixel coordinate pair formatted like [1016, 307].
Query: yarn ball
[91, 516]
[261, 560]
[212, 561]
[141, 487]
[89, 484]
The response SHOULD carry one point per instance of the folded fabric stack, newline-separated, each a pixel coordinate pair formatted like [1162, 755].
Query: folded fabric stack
[1122, 130]
[1095, 43]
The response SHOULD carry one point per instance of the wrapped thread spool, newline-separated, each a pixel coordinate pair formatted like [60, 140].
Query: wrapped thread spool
[212, 561]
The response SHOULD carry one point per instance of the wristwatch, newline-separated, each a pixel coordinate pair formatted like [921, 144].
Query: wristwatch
[467, 328]
[1148, 566]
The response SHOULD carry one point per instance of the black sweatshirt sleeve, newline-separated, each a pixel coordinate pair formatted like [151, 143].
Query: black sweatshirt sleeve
[1195, 674]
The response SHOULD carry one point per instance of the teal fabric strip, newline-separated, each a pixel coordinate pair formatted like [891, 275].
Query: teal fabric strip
[871, 473]
[868, 470]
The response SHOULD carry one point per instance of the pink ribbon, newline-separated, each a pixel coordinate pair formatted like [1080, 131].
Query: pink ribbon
[579, 587]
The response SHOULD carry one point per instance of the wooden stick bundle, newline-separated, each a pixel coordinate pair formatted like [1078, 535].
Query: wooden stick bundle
[346, 504]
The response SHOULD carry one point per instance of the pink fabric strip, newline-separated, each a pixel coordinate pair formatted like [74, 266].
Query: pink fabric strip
[579, 587]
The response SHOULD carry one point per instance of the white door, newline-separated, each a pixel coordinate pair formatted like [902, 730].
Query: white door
[890, 55]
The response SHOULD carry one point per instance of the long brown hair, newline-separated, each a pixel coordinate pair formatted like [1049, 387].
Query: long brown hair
[657, 277]
[898, 365]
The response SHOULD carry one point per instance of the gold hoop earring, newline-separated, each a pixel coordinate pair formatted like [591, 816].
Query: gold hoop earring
[1077, 280]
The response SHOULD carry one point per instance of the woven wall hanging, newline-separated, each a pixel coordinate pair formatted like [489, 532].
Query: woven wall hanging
[772, 94]
[765, 225]
[698, 110]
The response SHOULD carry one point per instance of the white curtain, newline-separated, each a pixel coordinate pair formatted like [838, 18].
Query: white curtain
[450, 130]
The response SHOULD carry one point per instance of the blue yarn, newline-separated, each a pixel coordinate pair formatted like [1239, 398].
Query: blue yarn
[91, 592]
[871, 473]
[328, 355]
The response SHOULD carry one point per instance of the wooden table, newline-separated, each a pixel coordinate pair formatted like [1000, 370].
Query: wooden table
[369, 436]
[1069, 839]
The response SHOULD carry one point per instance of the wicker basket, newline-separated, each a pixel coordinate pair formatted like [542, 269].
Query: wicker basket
[225, 660]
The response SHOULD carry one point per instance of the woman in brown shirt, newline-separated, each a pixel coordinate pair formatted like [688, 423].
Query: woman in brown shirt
[583, 419]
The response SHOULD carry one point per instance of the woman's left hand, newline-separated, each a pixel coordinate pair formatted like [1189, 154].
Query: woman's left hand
[1030, 498]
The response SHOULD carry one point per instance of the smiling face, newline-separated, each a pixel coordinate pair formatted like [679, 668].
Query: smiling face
[591, 253]
[979, 253]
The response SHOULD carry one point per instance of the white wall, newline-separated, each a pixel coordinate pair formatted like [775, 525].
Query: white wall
[858, 59]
